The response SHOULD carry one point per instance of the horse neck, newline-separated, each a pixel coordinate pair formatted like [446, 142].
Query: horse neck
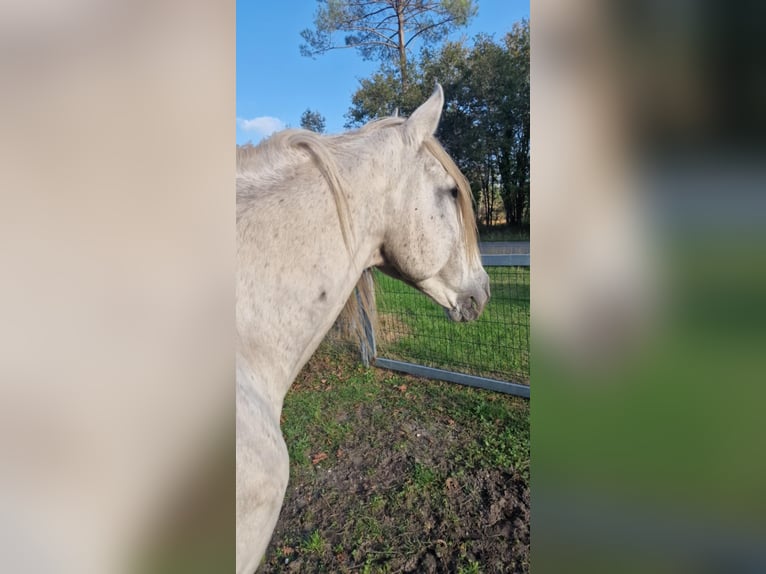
[303, 273]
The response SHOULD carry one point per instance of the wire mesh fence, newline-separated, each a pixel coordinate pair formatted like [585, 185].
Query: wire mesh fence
[413, 329]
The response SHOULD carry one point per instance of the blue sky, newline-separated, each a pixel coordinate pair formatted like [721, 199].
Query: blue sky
[275, 84]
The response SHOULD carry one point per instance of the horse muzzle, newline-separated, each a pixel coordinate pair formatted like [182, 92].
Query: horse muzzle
[470, 306]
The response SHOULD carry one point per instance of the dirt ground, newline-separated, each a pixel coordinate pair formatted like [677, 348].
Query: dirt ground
[408, 489]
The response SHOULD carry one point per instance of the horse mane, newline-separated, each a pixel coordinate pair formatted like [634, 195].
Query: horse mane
[359, 313]
[316, 146]
[275, 152]
[322, 148]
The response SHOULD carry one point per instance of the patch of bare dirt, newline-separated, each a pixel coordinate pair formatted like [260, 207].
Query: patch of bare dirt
[392, 328]
[400, 497]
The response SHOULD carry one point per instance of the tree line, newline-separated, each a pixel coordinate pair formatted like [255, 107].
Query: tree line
[485, 124]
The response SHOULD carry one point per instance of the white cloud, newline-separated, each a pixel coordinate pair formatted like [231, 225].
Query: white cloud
[262, 126]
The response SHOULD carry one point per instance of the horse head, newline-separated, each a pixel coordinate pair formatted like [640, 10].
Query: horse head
[431, 242]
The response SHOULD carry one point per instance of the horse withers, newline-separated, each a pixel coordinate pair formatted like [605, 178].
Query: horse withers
[313, 213]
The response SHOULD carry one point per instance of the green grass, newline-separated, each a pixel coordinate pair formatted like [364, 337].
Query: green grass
[314, 544]
[424, 476]
[316, 418]
[414, 328]
[471, 568]
[310, 410]
[504, 233]
[418, 455]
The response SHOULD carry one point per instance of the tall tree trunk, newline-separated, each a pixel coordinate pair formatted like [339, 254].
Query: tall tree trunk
[484, 179]
[508, 204]
[507, 174]
[522, 173]
[491, 193]
[401, 44]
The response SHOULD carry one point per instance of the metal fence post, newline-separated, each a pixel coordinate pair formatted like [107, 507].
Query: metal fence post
[367, 346]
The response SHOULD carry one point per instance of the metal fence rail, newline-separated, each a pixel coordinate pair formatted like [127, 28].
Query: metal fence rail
[415, 336]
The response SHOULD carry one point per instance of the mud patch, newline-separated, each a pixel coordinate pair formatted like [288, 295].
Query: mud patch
[421, 482]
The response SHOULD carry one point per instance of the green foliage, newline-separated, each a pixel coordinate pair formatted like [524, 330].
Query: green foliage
[515, 163]
[504, 233]
[314, 544]
[382, 95]
[314, 121]
[485, 125]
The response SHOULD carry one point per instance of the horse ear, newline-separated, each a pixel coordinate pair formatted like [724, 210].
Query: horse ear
[424, 120]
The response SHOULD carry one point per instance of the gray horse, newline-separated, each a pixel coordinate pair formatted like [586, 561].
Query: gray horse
[313, 213]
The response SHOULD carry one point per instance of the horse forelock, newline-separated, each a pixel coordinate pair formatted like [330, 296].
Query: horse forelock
[469, 232]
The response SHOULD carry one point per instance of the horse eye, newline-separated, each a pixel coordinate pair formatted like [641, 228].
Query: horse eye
[454, 192]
